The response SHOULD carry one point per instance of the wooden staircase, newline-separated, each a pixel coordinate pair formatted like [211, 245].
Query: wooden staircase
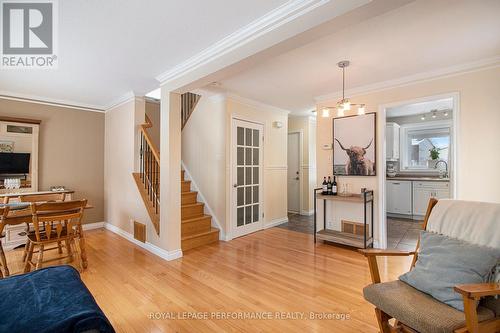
[196, 226]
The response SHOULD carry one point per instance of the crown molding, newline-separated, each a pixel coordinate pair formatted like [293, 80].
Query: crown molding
[254, 103]
[125, 98]
[51, 102]
[415, 78]
[263, 25]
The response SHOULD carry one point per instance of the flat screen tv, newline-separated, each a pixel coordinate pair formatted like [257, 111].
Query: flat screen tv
[14, 163]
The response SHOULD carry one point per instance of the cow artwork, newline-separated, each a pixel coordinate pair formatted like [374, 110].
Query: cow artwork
[358, 165]
[354, 145]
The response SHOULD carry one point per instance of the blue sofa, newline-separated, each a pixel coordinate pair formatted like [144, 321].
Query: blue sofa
[52, 299]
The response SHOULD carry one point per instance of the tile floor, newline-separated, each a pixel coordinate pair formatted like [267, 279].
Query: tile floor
[402, 233]
[300, 223]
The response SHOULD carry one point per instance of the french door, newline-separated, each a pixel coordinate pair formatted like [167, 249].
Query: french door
[246, 198]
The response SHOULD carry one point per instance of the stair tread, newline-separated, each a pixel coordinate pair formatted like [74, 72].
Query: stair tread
[190, 192]
[193, 204]
[196, 218]
[211, 231]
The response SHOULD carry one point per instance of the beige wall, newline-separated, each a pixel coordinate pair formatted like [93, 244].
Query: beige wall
[478, 132]
[122, 198]
[71, 150]
[153, 112]
[203, 154]
[306, 125]
[206, 154]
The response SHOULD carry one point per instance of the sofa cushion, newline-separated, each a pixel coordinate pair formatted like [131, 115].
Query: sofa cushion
[417, 309]
[444, 262]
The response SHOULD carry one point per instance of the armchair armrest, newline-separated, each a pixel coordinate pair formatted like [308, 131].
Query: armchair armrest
[385, 253]
[478, 290]
[471, 294]
[372, 254]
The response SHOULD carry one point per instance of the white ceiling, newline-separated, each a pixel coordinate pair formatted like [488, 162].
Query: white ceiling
[419, 37]
[109, 48]
[419, 108]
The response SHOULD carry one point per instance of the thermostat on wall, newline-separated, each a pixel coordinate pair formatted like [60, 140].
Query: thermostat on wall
[327, 146]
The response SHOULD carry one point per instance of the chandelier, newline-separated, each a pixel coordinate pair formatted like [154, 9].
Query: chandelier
[344, 104]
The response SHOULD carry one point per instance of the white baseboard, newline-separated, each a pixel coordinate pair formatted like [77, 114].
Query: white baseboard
[92, 226]
[167, 255]
[276, 222]
[307, 212]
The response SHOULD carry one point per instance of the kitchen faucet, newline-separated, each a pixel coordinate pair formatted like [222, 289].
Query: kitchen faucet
[446, 166]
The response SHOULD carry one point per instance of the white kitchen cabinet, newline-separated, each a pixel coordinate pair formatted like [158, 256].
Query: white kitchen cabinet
[392, 141]
[399, 197]
[423, 191]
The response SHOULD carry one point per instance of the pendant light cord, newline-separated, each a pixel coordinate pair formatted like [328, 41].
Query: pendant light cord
[343, 83]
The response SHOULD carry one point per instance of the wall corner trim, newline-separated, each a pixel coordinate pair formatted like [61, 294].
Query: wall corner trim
[166, 255]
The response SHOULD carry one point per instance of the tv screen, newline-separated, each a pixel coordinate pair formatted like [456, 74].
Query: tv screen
[14, 163]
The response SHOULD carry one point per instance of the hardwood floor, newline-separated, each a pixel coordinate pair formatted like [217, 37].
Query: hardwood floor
[275, 270]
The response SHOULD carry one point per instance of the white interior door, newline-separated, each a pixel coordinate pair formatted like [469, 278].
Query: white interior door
[247, 162]
[294, 172]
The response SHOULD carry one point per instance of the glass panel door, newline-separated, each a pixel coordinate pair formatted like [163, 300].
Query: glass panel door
[247, 176]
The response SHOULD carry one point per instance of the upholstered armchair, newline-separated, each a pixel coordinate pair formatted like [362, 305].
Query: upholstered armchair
[416, 311]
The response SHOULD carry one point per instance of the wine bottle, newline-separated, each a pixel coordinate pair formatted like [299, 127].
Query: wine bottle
[325, 187]
[334, 186]
[329, 186]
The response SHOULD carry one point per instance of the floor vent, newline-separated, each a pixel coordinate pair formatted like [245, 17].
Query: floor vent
[140, 231]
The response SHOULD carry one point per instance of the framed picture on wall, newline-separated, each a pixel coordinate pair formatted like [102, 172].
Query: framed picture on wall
[354, 145]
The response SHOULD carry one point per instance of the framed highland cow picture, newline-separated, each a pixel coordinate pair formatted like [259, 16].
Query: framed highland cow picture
[354, 145]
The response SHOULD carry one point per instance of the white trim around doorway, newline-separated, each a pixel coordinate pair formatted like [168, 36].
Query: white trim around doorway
[301, 172]
[381, 154]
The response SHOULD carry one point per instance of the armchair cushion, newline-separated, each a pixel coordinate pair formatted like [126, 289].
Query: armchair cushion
[417, 309]
[444, 262]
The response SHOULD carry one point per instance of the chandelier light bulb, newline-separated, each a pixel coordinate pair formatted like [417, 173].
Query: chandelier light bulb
[346, 105]
[423, 117]
[340, 111]
[446, 114]
[361, 109]
[325, 113]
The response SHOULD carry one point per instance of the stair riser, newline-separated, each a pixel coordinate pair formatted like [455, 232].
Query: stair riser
[188, 198]
[196, 227]
[185, 186]
[190, 212]
[199, 241]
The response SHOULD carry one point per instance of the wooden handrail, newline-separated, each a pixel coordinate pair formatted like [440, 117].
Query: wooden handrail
[144, 127]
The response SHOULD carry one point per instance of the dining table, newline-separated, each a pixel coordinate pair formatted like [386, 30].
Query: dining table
[20, 212]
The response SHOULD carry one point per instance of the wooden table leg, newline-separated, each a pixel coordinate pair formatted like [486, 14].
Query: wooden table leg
[81, 242]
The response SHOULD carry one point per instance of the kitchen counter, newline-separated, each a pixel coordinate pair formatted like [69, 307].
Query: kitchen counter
[416, 178]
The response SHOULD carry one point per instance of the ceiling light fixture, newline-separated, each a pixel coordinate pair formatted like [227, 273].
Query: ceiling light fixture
[345, 104]
[434, 113]
[423, 117]
[446, 114]
[325, 113]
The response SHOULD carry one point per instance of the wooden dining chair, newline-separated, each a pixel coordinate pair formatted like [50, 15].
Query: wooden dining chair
[53, 223]
[3, 261]
[42, 197]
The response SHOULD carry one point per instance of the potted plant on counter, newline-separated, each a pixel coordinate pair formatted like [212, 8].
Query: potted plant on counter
[434, 155]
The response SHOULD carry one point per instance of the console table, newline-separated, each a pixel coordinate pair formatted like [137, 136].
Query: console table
[365, 201]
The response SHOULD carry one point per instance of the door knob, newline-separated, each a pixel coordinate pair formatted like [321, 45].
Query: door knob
[296, 178]
[235, 185]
